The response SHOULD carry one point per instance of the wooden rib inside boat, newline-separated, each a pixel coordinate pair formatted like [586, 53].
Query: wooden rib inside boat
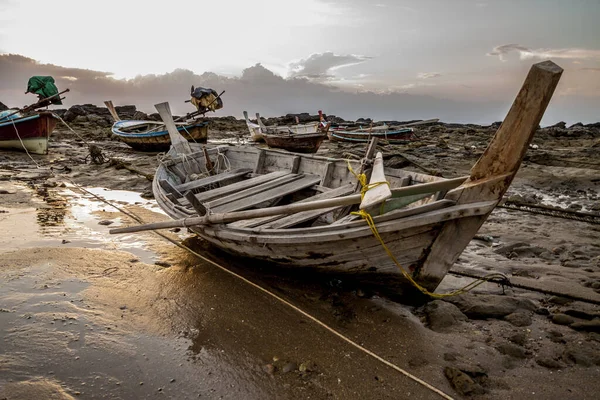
[426, 223]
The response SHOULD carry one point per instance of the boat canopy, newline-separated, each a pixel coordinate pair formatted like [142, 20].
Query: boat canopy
[206, 99]
[44, 87]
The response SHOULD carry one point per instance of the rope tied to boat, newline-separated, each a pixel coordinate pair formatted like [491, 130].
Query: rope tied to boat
[498, 278]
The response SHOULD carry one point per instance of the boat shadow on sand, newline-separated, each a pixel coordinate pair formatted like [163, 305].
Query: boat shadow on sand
[308, 282]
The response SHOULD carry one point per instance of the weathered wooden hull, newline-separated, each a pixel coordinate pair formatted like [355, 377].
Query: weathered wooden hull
[350, 247]
[399, 136]
[152, 136]
[298, 143]
[31, 133]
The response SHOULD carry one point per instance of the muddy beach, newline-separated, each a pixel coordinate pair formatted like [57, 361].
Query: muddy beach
[85, 314]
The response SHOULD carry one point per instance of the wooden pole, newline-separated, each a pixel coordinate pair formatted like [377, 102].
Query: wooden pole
[40, 103]
[177, 141]
[111, 110]
[223, 218]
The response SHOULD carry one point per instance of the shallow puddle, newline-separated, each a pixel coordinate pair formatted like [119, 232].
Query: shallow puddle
[70, 218]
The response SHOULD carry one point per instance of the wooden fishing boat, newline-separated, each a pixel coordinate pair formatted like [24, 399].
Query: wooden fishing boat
[291, 210]
[29, 132]
[299, 142]
[152, 135]
[259, 130]
[391, 136]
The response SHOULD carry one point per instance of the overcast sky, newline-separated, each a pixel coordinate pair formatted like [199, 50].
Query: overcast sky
[462, 60]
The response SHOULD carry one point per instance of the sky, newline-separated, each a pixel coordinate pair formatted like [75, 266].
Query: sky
[458, 60]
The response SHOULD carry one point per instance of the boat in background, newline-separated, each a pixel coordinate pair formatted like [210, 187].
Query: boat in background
[360, 136]
[29, 132]
[27, 129]
[296, 142]
[256, 132]
[153, 135]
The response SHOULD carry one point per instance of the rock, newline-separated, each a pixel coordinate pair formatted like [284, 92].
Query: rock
[105, 222]
[559, 301]
[80, 119]
[269, 369]
[140, 115]
[508, 248]
[546, 255]
[490, 306]
[125, 112]
[462, 382]
[512, 350]
[442, 315]
[549, 363]
[580, 356]
[98, 120]
[519, 318]
[163, 264]
[562, 319]
[587, 326]
[572, 264]
[289, 367]
[451, 356]
[556, 336]
[7, 191]
[519, 338]
[3, 107]
[473, 370]
[581, 314]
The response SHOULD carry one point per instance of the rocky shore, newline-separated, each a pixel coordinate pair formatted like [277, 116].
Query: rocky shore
[534, 339]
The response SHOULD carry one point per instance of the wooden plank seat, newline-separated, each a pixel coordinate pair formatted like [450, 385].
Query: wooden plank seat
[288, 220]
[250, 199]
[239, 186]
[211, 180]
[234, 187]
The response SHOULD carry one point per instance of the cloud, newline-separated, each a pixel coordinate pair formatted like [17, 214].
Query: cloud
[258, 89]
[428, 75]
[320, 65]
[527, 53]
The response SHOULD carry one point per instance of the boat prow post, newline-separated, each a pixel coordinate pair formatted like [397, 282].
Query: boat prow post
[178, 142]
[493, 173]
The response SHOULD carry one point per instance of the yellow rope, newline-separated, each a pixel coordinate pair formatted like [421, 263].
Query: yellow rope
[362, 179]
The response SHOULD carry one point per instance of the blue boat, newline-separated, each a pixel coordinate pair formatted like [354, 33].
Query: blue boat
[153, 135]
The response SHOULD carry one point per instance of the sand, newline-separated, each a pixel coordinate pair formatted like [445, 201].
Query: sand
[85, 314]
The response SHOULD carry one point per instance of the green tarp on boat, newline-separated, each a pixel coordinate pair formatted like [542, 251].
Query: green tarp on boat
[44, 87]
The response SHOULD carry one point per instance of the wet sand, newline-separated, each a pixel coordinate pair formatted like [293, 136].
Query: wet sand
[85, 314]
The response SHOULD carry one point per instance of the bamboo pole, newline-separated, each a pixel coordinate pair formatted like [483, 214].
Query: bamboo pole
[223, 218]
